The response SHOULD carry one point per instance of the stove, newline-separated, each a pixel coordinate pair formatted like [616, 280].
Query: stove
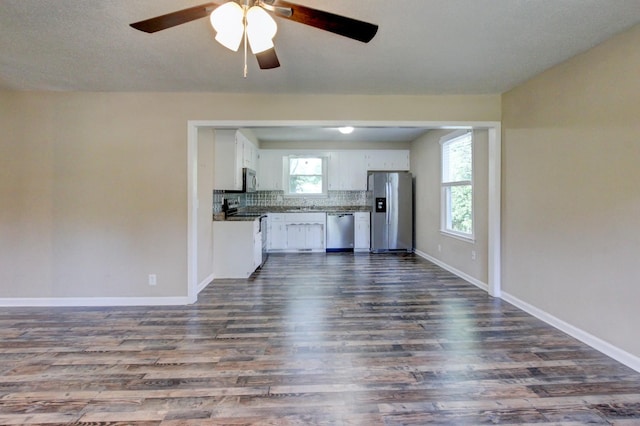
[231, 206]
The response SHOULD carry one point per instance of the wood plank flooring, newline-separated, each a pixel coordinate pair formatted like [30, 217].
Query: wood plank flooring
[312, 339]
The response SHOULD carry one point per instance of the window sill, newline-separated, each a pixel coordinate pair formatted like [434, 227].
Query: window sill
[466, 238]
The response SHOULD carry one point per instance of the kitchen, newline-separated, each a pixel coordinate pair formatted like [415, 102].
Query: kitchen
[324, 209]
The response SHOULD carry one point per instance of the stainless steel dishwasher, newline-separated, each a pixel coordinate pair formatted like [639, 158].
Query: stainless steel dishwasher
[340, 231]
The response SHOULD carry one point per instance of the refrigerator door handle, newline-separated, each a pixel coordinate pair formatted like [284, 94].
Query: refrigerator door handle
[389, 202]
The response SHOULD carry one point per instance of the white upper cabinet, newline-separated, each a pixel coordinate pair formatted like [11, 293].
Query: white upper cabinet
[388, 159]
[347, 169]
[255, 158]
[270, 170]
[333, 171]
[228, 161]
[353, 171]
[233, 151]
[249, 151]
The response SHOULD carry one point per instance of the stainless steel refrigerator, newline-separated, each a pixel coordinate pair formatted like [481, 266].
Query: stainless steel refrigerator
[391, 212]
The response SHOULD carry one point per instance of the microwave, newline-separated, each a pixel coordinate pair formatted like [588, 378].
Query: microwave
[249, 180]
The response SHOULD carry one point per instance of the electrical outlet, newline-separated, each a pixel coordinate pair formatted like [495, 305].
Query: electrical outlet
[153, 280]
[473, 255]
[439, 248]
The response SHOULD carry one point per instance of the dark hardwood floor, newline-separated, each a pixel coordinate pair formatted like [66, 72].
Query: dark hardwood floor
[336, 339]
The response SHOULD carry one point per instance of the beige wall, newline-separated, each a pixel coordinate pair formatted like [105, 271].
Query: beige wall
[425, 167]
[571, 195]
[93, 188]
[92, 195]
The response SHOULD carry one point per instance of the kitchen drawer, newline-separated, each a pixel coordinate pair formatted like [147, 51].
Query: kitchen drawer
[304, 218]
[276, 217]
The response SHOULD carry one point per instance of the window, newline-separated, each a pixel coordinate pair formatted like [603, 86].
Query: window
[306, 175]
[457, 184]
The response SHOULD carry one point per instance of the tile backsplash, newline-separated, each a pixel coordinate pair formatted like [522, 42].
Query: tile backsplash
[277, 199]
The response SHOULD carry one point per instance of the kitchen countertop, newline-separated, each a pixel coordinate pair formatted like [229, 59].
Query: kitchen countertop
[246, 217]
[258, 211]
[305, 209]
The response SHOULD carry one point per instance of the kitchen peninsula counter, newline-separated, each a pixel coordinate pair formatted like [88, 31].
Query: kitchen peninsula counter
[305, 209]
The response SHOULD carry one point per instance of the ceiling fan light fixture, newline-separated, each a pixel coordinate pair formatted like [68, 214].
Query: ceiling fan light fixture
[246, 22]
[227, 21]
[261, 29]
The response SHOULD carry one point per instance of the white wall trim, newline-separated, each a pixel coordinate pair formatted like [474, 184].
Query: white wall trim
[205, 282]
[464, 276]
[596, 343]
[91, 301]
[494, 211]
[192, 213]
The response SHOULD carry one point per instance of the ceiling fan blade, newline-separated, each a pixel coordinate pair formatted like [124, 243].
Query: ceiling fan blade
[347, 27]
[175, 18]
[268, 59]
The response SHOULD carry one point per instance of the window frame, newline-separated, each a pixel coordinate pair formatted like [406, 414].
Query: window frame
[445, 188]
[286, 176]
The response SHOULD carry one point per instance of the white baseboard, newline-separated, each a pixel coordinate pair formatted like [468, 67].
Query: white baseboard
[205, 282]
[596, 343]
[453, 270]
[92, 301]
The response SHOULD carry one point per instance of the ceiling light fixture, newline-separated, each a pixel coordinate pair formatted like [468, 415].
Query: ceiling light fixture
[347, 130]
[233, 23]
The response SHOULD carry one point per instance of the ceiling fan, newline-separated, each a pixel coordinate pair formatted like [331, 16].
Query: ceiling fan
[247, 20]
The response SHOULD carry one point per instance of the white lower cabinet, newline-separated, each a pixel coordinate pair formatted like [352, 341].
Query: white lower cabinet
[257, 247]
[296, 236]
[297, 231]
[277, 234]
[305, 236]
[315, 236]
[362, 229]
[232, 242]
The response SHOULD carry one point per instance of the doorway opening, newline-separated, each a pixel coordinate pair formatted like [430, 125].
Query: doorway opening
[494, 182]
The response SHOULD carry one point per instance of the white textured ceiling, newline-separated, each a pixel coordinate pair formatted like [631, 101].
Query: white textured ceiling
[422, 46]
